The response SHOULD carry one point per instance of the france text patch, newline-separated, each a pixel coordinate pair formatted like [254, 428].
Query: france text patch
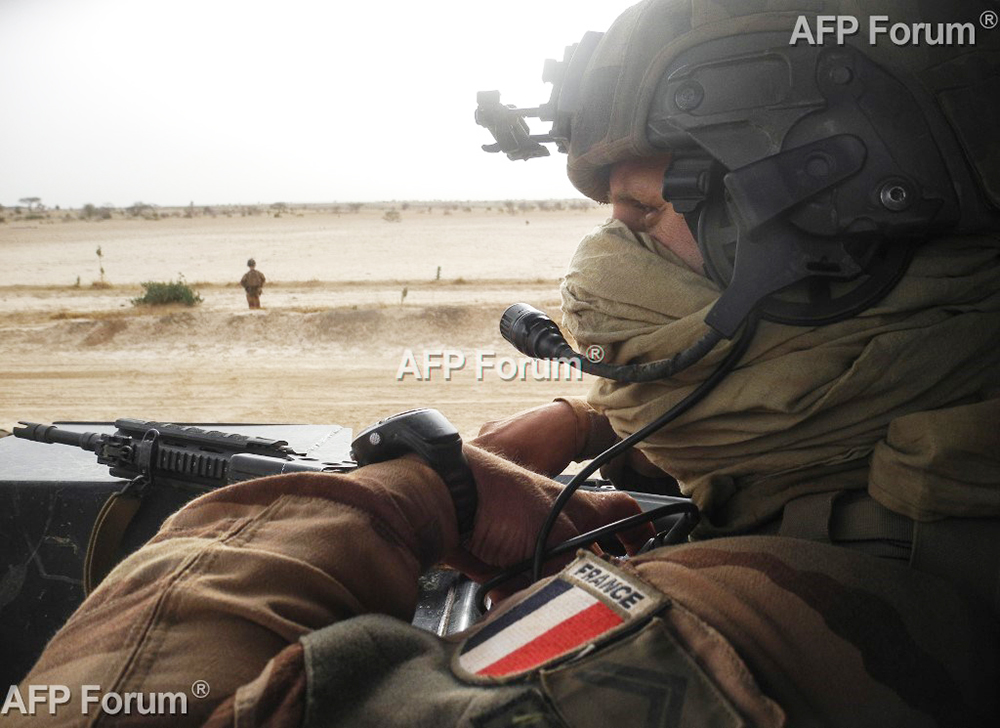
[588, 602]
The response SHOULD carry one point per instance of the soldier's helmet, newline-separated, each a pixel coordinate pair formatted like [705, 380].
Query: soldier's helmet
[251, 263]
[822, 140]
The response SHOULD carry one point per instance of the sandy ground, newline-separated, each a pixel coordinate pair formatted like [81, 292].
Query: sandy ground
[331, 343]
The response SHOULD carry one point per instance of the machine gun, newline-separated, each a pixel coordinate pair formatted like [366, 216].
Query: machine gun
[182, 456]
[160, 456]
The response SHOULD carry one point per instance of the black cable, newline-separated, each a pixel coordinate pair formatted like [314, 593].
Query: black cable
[584, 539]
[532, 332]
[653, 370]
[617, 449]
[718, 374]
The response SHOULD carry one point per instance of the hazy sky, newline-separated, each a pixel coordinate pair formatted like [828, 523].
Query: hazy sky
[239, 101]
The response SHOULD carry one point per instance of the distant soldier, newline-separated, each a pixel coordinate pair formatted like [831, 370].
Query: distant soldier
[252, 282]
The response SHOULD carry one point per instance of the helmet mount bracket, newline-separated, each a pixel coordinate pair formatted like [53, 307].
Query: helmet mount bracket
[507, 124]
[769, 253]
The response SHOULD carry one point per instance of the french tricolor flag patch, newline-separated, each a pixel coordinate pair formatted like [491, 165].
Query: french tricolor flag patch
[588, 602]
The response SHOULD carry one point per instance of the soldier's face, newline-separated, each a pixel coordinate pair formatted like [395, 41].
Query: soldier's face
[636, 201]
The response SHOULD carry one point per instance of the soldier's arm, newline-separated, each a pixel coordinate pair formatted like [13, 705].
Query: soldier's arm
[241, 573]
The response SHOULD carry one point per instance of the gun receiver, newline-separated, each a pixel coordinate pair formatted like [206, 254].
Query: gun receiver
[183, 455]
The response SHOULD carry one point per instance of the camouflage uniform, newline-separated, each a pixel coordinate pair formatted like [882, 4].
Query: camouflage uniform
[253, 282]
[290, 595]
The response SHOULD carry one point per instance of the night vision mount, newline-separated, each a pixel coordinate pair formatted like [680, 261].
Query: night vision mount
[507, 124]
[806, 174]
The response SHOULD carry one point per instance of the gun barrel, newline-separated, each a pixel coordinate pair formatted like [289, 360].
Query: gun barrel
[52, 434]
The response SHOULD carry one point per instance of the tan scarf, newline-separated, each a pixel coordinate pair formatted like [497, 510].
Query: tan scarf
[914, 381]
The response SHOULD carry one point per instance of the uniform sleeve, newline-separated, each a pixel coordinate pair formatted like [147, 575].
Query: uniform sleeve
[276, 698]
[240, 574]
[593, 430]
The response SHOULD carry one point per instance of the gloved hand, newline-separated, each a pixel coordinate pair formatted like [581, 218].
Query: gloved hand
[513, 505]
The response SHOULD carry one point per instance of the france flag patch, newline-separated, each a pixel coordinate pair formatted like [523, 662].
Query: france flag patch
[590, 601]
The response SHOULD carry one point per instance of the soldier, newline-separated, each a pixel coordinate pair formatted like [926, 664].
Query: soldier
[840, 291]
[253, 283]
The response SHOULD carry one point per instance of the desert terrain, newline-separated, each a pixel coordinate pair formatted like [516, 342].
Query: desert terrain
[353, 304]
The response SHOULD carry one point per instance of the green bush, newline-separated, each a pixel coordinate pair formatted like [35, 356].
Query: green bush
[159, 294]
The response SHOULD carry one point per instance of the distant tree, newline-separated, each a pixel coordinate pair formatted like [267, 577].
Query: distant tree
[89, 210]
[392, 216]
[30, 202]
[138, 209]
[355, 206]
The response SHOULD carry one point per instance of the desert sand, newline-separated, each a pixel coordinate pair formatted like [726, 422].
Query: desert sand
[352, 302]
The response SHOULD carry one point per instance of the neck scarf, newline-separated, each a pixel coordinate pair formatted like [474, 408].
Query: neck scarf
[903, 399]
